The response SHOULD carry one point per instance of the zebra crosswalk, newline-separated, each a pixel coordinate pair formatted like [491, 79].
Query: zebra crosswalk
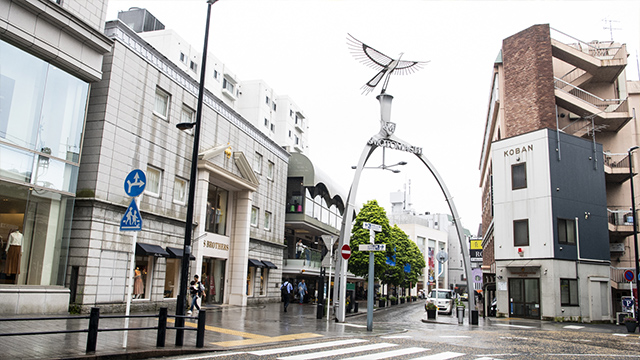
[353, 349]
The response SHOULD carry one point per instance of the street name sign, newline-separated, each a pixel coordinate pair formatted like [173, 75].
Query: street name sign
[372, 247]
[370, 226]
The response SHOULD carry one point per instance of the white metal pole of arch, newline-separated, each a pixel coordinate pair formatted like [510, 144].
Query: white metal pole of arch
[134, 185]
[373, 228]
[329, 240]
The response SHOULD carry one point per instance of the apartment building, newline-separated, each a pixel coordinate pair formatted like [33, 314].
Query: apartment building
[50, 57]
[554, 175]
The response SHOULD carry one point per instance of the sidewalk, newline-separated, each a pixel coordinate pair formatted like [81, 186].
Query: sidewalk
[227, 327]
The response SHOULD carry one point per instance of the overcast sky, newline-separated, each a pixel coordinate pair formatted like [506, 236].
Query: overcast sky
[299, 48]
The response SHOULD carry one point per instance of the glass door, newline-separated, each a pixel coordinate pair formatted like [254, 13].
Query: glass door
[524, 296]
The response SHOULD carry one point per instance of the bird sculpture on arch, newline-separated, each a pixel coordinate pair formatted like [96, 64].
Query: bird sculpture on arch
[385, 65]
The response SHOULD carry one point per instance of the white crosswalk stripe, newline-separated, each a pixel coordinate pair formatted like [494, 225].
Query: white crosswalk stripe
[328, 353]
[388, 354]
[441, 356]
[306, 347]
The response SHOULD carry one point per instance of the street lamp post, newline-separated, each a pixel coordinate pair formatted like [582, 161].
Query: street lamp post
[635, 229]
[188, 230]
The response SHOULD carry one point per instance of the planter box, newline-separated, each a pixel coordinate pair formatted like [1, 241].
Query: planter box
[431, 314]
[631, 326]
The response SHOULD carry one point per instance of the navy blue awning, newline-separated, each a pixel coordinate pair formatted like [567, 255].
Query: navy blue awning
[256, 263]
[177, 253]
[150, 250]
[269, 264]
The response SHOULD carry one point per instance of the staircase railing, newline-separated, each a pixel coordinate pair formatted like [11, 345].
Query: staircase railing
[599, 49]
[572, 75]
[603, 104]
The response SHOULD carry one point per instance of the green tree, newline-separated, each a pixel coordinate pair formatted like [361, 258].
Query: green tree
[371, 212]
[397, 243]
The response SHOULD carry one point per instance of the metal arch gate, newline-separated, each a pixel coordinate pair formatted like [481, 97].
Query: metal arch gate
[385, 138]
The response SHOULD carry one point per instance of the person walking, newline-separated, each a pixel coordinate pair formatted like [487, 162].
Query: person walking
[197, 291]
[285, 290]
[302, 290]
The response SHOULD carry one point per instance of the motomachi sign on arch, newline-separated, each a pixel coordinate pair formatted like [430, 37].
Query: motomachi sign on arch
[386, 139]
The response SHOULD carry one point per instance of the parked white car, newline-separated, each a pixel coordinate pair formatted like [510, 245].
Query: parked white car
[443, 299]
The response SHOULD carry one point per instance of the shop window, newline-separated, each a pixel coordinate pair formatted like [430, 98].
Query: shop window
[254, 216]
[251, 271]
[142, 277]
[154, 181]
[566, 231]
[217, 199]
[172, 278]
[518, 176]
[162, 104]
[521, 232]
[569, 292]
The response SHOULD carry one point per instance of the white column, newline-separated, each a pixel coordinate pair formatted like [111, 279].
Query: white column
[239, 249]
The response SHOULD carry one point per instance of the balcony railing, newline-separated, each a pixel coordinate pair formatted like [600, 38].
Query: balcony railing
[309, 258]
[620, 216]
[615, 162]
[617, 274]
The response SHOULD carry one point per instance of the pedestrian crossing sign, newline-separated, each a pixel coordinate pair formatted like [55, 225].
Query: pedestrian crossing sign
[131, 221]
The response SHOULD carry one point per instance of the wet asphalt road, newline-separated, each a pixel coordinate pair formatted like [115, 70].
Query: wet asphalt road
[401, 329]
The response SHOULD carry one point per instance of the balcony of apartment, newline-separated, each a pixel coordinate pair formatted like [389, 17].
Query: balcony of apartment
[617, 278]
[307, 261]
[620, 224]
[616, 167]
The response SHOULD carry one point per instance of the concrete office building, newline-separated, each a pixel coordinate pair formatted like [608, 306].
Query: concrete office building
[240, 198]
[554, 176]
[50, 55]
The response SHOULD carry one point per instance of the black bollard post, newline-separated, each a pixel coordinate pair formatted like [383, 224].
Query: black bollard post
[92, 335]
[202, 317]
[162, 327]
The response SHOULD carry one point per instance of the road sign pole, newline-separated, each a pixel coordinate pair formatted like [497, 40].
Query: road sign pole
[370, 292]
[132, 265]
[373, 228]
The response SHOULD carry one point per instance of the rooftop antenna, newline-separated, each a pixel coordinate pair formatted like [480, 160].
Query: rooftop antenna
[609, 26]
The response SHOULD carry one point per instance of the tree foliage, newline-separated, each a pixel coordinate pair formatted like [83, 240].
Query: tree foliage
[397, 243]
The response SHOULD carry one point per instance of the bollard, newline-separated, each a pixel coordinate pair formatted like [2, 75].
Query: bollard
[202, 316]
[460, 311]
[355, 306]
[92, 335]
[474, 317]
[319, 311]
[162, 327]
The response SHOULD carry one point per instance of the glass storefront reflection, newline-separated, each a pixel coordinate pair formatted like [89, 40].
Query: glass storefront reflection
[34, 234]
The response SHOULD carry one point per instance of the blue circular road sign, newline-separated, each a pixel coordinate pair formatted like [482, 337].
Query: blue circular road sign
[628, 275]
[135, 182]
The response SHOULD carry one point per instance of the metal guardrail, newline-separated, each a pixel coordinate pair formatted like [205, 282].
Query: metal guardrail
[599, 49]
[94, 319]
